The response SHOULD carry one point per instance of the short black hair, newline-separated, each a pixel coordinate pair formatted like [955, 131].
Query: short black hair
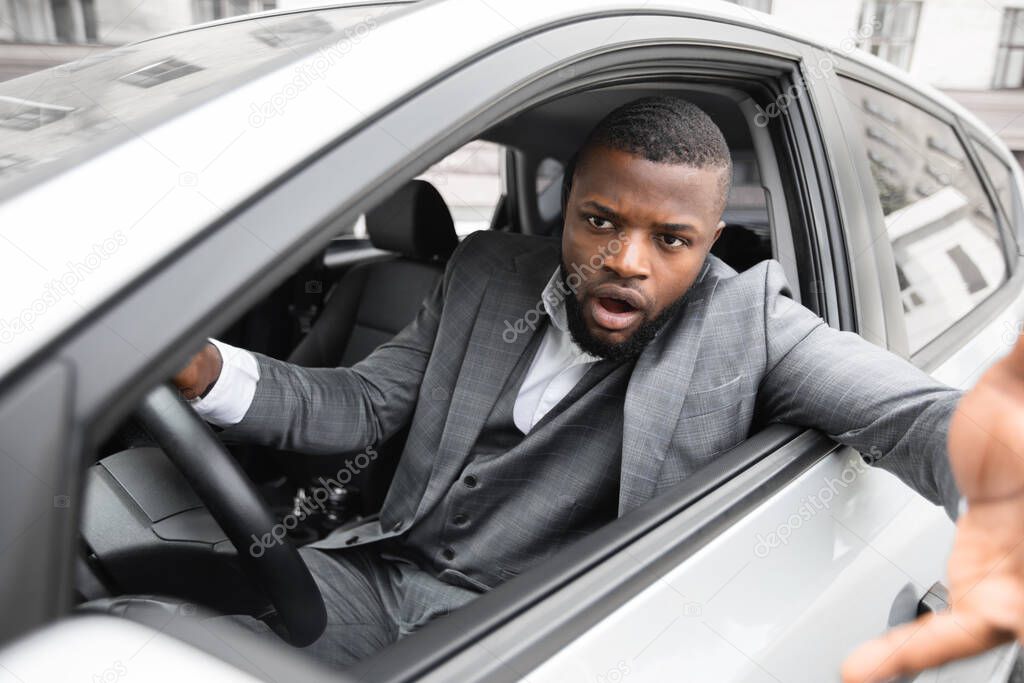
[662, 129]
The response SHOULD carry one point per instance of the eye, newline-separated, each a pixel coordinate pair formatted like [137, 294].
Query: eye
[674, 241]
[599, 223]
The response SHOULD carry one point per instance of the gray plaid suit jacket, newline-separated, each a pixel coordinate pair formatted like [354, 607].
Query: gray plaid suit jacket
[740, 352]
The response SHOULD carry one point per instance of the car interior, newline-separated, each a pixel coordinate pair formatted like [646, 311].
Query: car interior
[149, 530]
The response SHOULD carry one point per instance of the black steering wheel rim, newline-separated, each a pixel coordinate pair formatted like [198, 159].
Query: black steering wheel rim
[237, 506]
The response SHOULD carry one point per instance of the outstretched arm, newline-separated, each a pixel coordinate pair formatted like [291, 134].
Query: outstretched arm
[859, 394]
[986, 567]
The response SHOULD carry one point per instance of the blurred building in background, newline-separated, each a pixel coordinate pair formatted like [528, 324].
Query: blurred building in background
[972, 49]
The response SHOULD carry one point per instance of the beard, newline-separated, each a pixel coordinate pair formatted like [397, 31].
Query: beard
[621, 351]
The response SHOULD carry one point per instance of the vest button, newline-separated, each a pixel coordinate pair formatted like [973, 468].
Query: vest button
[448, 554]
[460, 519]
[470, 481]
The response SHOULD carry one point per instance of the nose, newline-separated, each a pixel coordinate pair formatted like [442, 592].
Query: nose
[628, 258]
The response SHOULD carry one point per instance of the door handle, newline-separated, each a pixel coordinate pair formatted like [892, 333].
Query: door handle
[907, 606]
[935, 600]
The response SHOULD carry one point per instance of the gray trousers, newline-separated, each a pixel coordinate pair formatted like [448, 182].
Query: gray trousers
[371, 601]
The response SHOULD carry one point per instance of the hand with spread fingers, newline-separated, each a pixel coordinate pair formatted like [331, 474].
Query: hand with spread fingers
[986, 566]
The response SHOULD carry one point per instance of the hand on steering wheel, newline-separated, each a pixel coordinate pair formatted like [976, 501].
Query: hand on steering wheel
[237, 506]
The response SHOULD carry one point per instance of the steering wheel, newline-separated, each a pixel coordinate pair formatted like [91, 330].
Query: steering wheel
[233, 501]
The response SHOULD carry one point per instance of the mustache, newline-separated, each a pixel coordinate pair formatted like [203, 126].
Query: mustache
[626, 350]
[610, 287]
[622, 291]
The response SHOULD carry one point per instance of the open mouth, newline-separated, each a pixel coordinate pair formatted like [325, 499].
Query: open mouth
[614, 312]
[616, 305]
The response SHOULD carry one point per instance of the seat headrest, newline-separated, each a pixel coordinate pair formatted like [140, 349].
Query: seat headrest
[415, 222]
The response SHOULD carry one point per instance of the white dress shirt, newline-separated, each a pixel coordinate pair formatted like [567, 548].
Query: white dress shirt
[556, 368]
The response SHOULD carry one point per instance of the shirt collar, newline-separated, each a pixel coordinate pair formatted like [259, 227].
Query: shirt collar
[553, 297]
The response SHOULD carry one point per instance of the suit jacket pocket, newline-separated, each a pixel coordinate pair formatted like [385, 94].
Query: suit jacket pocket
[714, 399]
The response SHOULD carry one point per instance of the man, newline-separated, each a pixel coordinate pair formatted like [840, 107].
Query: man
[548, 390]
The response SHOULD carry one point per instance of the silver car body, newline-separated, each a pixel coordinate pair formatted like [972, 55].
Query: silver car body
[737, 608]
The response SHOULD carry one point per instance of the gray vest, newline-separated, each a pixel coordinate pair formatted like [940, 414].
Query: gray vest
[520, 498]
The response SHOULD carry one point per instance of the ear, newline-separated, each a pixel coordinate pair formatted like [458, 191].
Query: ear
[718, 233]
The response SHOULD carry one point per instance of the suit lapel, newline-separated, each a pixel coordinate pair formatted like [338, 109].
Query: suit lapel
[508, 316]
[654, 397]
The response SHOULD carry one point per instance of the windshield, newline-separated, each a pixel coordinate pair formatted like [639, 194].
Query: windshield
[113, 94]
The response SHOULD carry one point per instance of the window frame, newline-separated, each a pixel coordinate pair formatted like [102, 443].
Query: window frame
[935, 352]
[1009, 216]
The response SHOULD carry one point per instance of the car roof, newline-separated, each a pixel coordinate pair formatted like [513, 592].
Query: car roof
[150, 173]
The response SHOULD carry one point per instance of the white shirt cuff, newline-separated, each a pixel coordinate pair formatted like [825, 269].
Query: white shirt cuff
[232, 393]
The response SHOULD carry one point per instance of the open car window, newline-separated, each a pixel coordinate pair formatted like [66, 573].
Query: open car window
[470, 182]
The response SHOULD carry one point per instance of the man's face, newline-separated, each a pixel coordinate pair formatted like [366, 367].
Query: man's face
[635, 238]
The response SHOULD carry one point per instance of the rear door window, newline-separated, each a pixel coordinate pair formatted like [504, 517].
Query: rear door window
[943, 228]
